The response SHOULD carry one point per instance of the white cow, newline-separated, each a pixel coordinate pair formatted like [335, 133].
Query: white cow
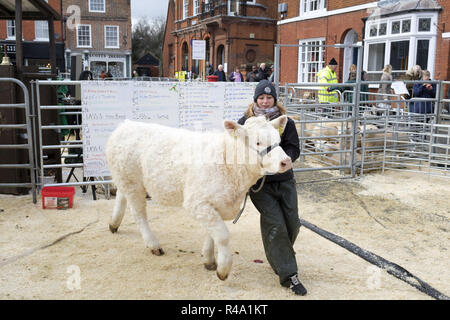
[206, 173]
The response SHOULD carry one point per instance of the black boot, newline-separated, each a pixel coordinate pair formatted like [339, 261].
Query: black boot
[296, 286]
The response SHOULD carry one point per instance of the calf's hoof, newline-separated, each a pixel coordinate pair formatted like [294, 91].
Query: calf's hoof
[222, 277]
[158, 252]
[112, 229]
[211, 266]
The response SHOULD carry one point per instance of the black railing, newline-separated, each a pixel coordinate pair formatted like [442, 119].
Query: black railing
[220, 7]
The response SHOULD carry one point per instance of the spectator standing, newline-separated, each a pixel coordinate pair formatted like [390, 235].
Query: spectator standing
[220, 73]
[328, 75]
[386, 88]
[102, 75]
[86, 74]
[272, 74]
[423, 90]
[262, 73]
[413, 74]
[209, 69]
[251, 76]
[236, 76]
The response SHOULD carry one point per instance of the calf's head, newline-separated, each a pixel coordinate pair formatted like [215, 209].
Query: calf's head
[259, 139]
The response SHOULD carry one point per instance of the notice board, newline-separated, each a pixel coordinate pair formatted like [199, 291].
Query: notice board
[198, 106]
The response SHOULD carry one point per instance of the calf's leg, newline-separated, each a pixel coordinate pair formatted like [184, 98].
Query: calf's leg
[218, 231]
[208, 253]
[119, 211]
[138, 207]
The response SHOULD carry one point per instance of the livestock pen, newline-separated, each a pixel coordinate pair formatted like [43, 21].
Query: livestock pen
[365, 192]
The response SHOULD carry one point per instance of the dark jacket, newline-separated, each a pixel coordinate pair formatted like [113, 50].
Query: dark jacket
[86, 75]
[251, 76]
[262, 74]
[291, 146]
[420, 91]
[221, 75]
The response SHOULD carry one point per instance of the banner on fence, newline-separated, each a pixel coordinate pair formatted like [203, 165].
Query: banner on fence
[199, 106]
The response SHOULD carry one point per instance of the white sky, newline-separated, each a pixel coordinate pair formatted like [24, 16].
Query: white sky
[148, 8]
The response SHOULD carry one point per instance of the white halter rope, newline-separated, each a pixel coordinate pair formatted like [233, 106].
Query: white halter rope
[261, 153]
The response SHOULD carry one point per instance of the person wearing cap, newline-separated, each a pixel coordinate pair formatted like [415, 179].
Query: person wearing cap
[328, 75]
[276, 201]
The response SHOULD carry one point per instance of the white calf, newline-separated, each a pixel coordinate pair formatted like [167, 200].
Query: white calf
[206, 173]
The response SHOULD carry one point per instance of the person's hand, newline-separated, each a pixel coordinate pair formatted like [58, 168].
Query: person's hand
[428, 86]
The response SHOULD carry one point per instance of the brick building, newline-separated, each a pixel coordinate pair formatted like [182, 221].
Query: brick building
[402, 33]
[103, 36]
[35, 35]
[237, 33]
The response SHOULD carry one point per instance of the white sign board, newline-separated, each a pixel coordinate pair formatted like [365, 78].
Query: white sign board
[399, 87]
[198, 49]
[197, 106]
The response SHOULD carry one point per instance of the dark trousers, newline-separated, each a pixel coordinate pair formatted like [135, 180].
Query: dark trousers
[280, 224]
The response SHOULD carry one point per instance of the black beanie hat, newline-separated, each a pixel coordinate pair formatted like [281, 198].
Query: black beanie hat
[265, 87]
[332, 62]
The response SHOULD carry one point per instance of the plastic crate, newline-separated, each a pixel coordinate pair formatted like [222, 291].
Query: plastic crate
[57, 197]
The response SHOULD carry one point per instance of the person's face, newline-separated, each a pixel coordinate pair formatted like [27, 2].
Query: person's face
[254, 68]
[265, 101]
[263, 66]
[220, 68]
[333, 67]
[425, 77]
[237, 69]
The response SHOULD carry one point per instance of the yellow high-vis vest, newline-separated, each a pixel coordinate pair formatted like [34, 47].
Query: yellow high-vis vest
[326, 75]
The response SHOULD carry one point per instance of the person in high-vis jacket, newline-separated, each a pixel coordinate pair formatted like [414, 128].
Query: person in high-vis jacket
[328, 75]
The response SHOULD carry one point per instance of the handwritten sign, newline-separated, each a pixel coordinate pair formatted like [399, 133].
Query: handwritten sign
[197, 106]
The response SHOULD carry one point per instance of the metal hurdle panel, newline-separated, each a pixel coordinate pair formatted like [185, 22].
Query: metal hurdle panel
[64, 145]
[29, 137]
[326, 131]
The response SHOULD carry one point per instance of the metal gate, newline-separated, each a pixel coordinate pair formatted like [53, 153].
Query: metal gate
[64, 145]
[29, 137]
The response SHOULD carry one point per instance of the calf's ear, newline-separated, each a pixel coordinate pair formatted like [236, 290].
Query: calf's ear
[280, 123]
[233, 128]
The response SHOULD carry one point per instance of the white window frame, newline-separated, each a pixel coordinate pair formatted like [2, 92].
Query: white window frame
[322, 8]
[413, 37]
[117, 46]
[38, 25]
[237, 4]
[196, 9]
[185, 9]
[321, 63]
[93, 10]
[90, 36]
[10, 25]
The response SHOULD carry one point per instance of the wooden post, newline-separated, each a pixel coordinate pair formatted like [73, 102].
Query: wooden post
[19, 47]
[51, 36]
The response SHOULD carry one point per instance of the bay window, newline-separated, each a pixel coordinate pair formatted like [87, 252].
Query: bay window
[401, 41]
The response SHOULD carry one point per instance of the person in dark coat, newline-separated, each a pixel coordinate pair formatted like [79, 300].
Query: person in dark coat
[209, 69]
[276, 201]
[86, 74]
[423, 90]
[220, 73]
[263, 73]
[251, 76]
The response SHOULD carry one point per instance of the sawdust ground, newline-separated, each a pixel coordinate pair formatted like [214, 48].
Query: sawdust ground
[399, 216]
